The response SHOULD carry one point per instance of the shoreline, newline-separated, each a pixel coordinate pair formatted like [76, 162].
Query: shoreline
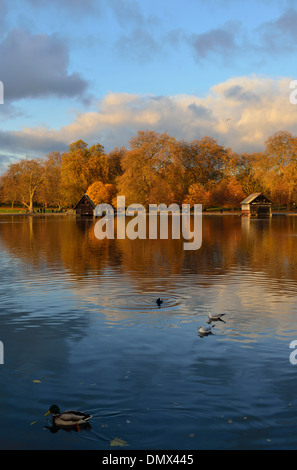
[71, 214]
[37, 214]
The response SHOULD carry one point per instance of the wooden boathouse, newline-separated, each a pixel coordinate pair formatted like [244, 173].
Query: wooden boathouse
[85, 207]
[256, 205]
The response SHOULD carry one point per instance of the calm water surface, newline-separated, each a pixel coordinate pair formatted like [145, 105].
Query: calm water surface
[80, 328]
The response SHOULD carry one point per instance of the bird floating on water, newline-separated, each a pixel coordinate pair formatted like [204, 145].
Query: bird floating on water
[69, 419]
[205, 330]
[159, 301]
[215, 317]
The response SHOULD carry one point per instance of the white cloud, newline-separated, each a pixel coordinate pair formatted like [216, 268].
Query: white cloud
[240, 113]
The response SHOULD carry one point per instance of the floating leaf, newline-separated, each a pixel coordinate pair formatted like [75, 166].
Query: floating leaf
[118, 442]
[36, 381]
[33, 422]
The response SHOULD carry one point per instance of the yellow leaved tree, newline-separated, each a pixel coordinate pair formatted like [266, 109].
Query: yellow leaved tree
[101, 193]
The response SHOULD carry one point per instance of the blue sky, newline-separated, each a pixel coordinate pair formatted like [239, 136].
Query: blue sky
[100, 70]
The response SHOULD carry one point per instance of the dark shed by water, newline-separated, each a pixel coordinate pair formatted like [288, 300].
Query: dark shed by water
[256, 204]
[85, 206]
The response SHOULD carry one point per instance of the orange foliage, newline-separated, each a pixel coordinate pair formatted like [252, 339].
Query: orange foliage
[101, 193]
[198, 194]
[157, 169]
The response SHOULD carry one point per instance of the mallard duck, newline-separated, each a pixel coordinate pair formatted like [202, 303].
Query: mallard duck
[215, 317]
[69, 418]
[159, 301]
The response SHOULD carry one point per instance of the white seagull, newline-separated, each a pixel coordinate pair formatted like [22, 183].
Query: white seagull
[215, 317]
[205, 330]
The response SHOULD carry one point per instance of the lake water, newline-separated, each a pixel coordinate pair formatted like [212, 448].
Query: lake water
[80, 328]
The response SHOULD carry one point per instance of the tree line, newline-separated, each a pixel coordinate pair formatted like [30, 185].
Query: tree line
[156, 168]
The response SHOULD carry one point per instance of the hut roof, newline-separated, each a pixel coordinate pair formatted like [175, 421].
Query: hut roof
[250, 198]
[253, 197]
[85, 196]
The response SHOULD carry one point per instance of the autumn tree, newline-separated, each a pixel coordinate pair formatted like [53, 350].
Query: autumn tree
[279, 193]
[73, 176]
[218, 193]
[241, 167]
[114, 159]
[10, 191]
[203, 160]
[198, 194]
[1, 190]
[101, 193]
[281, 149]
[97, 168]
[157, 169]
[234, 193]
[50, 192]
[247, 175]
[27, 177]
[148, 167]
[277, 166]
[81, 166]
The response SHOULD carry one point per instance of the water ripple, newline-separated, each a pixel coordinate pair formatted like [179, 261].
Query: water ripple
[138, 302]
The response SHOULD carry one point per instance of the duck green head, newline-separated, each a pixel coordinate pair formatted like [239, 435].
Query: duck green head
[54, 409]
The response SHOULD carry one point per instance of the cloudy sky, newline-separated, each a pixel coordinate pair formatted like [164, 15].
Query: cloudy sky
[100, 70]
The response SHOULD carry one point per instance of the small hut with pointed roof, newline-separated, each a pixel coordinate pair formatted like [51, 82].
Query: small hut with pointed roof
[85, 206]
[256, 204]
